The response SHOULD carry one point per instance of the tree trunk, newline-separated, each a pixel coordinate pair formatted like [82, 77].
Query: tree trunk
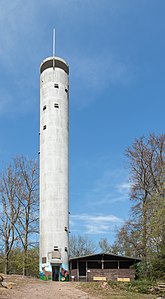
[7, 264]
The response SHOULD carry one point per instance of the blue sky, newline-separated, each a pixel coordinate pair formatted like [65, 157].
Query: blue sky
[116, 53]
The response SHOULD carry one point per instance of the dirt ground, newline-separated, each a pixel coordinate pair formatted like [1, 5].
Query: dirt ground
[30, 288]
[33, 288]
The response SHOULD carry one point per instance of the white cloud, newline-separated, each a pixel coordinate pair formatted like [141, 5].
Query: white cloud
[124, 187]
[96, 218]
[94, 224]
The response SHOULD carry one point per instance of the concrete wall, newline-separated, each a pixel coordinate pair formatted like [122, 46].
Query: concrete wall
[54, 140]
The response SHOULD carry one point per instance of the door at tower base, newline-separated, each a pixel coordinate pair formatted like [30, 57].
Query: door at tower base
[55, 272]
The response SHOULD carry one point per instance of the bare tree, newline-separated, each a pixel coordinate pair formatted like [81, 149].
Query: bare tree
[142, 235]
[10, 207]
[147, 162]
[19, 208]
[128, 239]
[105, 246]
[27, 225]
[81, 246]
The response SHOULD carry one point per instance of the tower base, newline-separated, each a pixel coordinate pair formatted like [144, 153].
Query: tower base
[54, 271]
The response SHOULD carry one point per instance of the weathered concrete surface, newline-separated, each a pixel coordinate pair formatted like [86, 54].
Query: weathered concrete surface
[54, 189]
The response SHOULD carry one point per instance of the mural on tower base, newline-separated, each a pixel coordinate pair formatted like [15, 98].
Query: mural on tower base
[46, 272]
[64, 273]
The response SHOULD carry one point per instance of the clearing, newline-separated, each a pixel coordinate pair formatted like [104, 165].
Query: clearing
[33, 288]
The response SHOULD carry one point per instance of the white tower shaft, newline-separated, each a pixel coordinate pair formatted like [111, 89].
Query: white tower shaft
[54, 132]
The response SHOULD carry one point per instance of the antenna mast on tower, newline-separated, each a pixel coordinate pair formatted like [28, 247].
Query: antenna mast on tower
[54, 47]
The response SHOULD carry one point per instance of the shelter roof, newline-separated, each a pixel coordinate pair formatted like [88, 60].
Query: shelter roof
[106, 257]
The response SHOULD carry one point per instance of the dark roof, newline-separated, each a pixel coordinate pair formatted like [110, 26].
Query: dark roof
[58, 63]
[106, 256]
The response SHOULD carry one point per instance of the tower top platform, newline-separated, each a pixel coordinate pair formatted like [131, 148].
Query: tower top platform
[55, 61]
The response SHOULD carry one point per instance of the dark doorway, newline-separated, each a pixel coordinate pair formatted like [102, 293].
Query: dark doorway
[82, 268]
[82, 271]
[55, 273]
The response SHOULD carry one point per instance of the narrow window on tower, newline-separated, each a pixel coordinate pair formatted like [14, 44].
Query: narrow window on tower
[56, 85]
[44, 127]
[44, 107]
[56, 105]
[66, 90]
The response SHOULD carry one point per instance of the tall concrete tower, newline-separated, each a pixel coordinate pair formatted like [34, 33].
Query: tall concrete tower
[54, 129]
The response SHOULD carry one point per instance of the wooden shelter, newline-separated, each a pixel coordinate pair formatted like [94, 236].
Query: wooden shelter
[102, 267]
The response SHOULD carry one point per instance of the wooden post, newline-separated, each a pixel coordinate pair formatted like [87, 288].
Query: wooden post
[118, 266]
[78, 270]
[102, 263]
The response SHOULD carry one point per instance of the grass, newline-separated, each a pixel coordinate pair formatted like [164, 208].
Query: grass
[118, 290]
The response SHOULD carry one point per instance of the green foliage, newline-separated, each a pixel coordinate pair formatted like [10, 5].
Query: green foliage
[2, 264]
[16, 262]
